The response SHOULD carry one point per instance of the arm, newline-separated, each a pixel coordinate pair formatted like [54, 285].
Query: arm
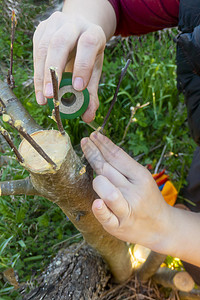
[74, 39]
[131, 207]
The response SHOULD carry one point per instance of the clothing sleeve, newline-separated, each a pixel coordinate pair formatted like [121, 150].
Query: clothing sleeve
[137, 17]
[188, 62]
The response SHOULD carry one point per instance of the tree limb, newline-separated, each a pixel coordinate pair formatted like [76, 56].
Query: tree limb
[193, 295]
[15, 109]
[177, 280]
[17, 187]
[151, 265]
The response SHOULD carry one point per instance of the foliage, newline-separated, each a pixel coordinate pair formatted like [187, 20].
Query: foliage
[30, 227]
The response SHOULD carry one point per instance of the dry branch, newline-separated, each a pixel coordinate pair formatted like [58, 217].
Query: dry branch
[56, 111]
[174, 279]
[17, 187]
[151, 265]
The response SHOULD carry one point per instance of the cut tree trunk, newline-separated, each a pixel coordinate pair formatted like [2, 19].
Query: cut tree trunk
[69, 185]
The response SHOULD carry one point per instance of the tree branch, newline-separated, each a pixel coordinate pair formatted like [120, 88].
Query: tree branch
[193, 295]
[56, 111]
[18, 125]
[17, 187]
[151, 265]
[7, 137]
[123, 72]
[10, 78]
[15, 109]
[177, 280]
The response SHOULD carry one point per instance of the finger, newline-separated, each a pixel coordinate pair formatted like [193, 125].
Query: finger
[61, 44]
[90, 44]
[103, 214]
[101, 167]
[117, 158]
[111, 196]
[89, 115]
[41, 40]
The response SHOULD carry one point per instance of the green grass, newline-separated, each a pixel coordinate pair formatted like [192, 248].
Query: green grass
[30, 227]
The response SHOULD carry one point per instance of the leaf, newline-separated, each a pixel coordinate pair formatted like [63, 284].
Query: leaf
[4, 244]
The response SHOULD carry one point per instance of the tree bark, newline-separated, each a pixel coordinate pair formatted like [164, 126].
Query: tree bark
[177, 280]
[69, 185]
[150, 266]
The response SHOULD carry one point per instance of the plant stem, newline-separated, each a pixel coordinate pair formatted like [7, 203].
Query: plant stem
[10, 78]
[54, 79]
[123, 72]
[7, 137]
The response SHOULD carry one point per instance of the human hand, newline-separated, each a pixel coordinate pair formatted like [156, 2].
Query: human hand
[69, 42]
[130, 206]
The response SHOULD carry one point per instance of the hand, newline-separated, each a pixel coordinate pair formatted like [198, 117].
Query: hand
[130, 206]
[70, 43]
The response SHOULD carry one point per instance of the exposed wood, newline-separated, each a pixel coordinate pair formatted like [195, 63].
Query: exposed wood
[15, 109]
[17, 187]
[72, 191]
[150, 266]
[174, 279]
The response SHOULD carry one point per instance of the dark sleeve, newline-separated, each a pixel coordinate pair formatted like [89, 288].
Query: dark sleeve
[188, 63]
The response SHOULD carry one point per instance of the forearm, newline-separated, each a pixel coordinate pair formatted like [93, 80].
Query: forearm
[99, 12]
[183, 235]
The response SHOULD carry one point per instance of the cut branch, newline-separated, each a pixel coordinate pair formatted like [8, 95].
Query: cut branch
[56, 112]
[17, 187]
[15, 109]
[123, 72]
[174, 279]
[7, 137]
[72, 191]
[151, 265]
[18, 126]
[193, 295]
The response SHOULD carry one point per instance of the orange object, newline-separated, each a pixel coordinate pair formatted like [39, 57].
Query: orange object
[168, 191]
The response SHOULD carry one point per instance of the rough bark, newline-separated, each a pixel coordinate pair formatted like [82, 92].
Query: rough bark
[174, 279]
[72, 275]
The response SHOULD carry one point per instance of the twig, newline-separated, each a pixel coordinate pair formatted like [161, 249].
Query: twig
[160, 160]
[123, 72]
[56, 113]
[7, 137]
[131, 120]
[10, 78]
[18, 125]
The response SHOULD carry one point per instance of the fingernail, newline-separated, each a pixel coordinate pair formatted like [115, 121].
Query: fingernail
[40, 98]
[78, 84]
[99, 204]
[84, 141]
[49, 90]
[94, 135]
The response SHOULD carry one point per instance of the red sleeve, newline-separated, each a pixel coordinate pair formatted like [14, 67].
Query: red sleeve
[136, 17]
